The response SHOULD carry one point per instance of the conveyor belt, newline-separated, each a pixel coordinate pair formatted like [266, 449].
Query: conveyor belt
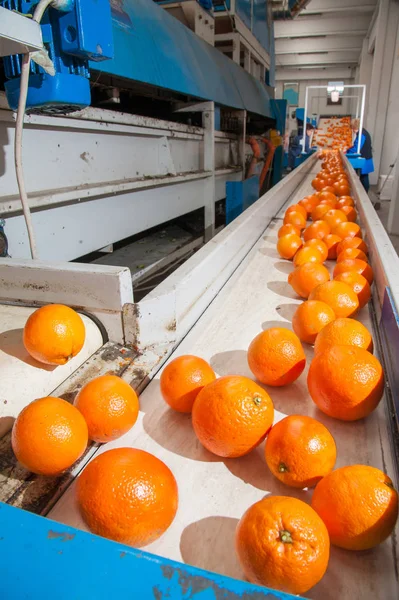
[214, 493]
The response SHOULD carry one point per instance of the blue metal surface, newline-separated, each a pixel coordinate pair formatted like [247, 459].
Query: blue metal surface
[356, 161]
[300, 115]
[41, 559]
[260, 25]
[244, 11]
[71, 39]
[239, 196]
[152, 47]
[279, 109]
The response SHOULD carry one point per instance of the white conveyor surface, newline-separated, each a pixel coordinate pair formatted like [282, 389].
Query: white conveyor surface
[24, 379]
[214, 493]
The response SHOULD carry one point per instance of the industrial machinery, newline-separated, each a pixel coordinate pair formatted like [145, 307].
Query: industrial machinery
[109, 99]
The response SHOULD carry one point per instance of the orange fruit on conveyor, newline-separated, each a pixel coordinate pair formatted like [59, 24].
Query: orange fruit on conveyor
[307, 277]
[359, 506]
[339, 296]
[300, 451]
[347, 229]
[283, 544]
[352, 253]
[318, 230]
[332, 241]
[287, 229]
[346, 382]
[182, 380]
[352, 242]
[295, 218]
[232, 415]
[288, 245]
[276, 357]
[319, 211]
[128, 496]
[307, 255]
[320, 245]
[309, 319]
[350, 213]
[49, 435]
[110, 407]
[354, 264]
[333, 217]
[344, 332]
[297, 208]
[359, 285]
[54, 334]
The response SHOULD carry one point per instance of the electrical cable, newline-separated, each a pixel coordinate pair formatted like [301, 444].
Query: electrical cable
[24, 83]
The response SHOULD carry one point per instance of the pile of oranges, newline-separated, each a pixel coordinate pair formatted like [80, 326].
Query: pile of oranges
[338, 135]
[131, 496]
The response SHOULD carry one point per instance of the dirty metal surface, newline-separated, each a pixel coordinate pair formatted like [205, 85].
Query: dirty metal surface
[22, 488]
[49, 550]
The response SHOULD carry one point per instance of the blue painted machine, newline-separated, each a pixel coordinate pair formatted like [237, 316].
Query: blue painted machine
[120, 43]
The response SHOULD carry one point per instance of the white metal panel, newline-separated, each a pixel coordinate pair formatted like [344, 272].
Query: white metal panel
[23, 379]
[326, 44]
[308, 27]
[99, 290]
[18, 34]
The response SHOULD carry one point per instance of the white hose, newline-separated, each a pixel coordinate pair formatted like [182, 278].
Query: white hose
[24, 83]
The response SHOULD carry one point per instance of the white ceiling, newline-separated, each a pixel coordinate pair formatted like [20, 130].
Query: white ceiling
[326, 36]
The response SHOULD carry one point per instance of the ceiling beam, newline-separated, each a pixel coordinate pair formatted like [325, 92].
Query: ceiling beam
[328, 43]
[312, 26]
[336, 58]
[335, 6]
[329, 73]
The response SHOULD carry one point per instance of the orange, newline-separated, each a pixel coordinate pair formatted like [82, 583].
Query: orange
[306, 277]
[354, 264]
[276, 357]
[232, 415]
[345, 201]
[300, 451]
[308, 254]
[283, 544]
[344, 332]
[352, 242]
[319, 211]
[341, 188]
[295, 218]
[127, 495]
[328, 202]
[339, 296]
[359, 506]
[332, 241]
[182, 380]
[288, 245]
[54, 334]
[347, 229]
[297, 208]
[320, 245]
[318, 229]
[287, 229]
[309, 203]
[352, 253]
[309, 318]
[48, 436]
[110, 407]
[328, 193]
[334, 217]
[318, 184]
[359, 285]
[346, 382]
[350, 213]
